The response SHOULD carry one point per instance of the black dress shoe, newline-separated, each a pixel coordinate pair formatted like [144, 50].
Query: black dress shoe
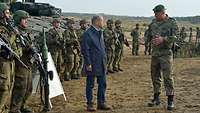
[103, 107]
[90, 108]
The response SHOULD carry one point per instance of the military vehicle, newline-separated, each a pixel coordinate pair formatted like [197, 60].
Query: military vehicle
[36, 9]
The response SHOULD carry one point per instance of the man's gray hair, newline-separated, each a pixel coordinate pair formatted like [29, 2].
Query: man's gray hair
[95, 18]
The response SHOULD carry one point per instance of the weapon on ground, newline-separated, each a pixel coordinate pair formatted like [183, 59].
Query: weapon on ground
[2, 43]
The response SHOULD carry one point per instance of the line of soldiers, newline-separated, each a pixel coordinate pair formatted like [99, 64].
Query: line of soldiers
[114, 41]
[15, 76]
[184, 35]
[64, 46]
[137, 41]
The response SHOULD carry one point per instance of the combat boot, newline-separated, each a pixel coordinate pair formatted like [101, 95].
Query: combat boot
[115, 69]
[155, 101]
[120, 69]
[170, 102]
[110, 71]
[67, 77]
[26, 110]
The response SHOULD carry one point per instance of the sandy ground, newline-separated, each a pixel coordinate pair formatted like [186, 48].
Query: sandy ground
[131, 90]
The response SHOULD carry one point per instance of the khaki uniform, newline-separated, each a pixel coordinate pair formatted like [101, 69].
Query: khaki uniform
[119, 48]
[71, 58]
[55, 43]
[162, 55]
[110, 40]
[6, 70]
[81, 61]
[23, 77]
[135, 41]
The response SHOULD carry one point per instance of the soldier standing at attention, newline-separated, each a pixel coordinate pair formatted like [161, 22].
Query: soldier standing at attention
[163, 31]
[197, 35]
[23, 76]
[183, 34]
[73, 50]
[119, 46]
[135, 41]
[55, 43]
[83, 25]
[190, 36]
[110, 40]
[6, 59]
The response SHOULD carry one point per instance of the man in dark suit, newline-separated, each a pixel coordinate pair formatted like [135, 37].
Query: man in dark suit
[93, 50]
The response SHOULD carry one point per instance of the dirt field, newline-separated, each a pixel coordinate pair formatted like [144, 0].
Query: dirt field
[131, 90]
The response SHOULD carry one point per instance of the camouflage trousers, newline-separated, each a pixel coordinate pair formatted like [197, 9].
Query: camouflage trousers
[147, 48]
[135, 48]
[6, 82]
[110, 57]
[162, 64]
[22, 88]
[71, 66]
[80, 67]
[117, 58]
[57, 58]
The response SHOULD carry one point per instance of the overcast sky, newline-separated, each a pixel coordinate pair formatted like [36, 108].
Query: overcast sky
[128, 7]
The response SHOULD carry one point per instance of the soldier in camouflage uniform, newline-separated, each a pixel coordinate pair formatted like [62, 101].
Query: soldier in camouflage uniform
[183, 34]
[135, 41]
[83, 24]
[163, 33]
[191, 35]
[120, 41]
[6, 60]
[55, 43]
[147, 43]
[110, 39]
[197, 36]
[72, 48]
[23, 76]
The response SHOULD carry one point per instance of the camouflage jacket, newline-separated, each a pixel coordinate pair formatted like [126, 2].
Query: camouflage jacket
[120, 36]
[27, 45]
[109, 37]
[80, 33]
[135, 35]
[183, 36]
[167, 29]
[71, 42]
[10, 38]
[55, 39]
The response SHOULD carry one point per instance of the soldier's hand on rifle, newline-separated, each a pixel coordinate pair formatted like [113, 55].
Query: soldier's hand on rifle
[158, 40]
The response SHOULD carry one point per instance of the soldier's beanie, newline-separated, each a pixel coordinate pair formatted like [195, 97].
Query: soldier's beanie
[56, 20]
[3, 7]
[83, 21]
[118, 22]
[109, 21]
[159, 8]
[20, 14]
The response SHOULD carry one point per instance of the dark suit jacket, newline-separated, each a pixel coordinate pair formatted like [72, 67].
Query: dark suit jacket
[93, 50]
